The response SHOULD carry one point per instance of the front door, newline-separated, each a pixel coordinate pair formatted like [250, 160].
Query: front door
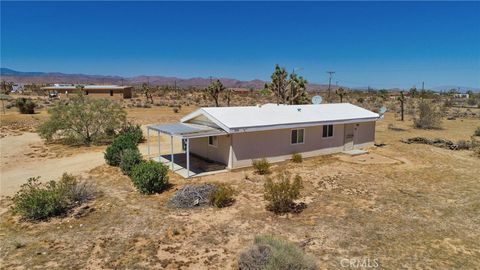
[349, 134]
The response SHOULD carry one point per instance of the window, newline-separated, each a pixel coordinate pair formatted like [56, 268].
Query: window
[213, 141]
[297, 136]
[111, 93]
[327, 131]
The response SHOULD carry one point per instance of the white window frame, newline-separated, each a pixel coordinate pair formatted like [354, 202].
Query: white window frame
[291, 133]
[215, 142]
[333, 133]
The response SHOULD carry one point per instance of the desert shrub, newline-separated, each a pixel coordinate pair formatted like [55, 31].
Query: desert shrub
[150, 177]
[129, 158]
[25, 106]
[476, 132]
[271, 252]
[113, 153]
[261, 166]
[81, 120]
[463, 145]
[133, 131]
[222, 196]
[428, 117]
[281, 194]
[37, 201]
[297, 158]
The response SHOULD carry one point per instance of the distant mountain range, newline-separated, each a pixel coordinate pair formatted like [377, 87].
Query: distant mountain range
[57, 77]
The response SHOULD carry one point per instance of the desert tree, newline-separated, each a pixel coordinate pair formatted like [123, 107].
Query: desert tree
[401, 98]
[147, 92]
[413, 92]
[228, 96]
[297, 90]
[214, 90]
[428, 116]
[83, 121]
[279, 84]
[341, 93]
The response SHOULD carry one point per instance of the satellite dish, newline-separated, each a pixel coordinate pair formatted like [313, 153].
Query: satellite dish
[382, 110]
[317, 100]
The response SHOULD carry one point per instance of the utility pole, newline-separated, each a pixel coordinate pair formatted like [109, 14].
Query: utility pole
[423, 86]
[330, 74]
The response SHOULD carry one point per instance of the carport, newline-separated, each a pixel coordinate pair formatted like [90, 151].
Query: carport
[185, 132]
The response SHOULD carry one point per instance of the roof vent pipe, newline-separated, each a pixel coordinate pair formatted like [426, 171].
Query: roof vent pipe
[299, 109]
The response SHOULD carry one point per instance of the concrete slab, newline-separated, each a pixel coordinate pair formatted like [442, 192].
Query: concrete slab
[198, 167]
[355, 152]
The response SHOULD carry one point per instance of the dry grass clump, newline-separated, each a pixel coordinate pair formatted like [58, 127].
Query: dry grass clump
[281, 193]
[271, 252]
[222, 196]
[262, 166]
[477, 132]
[297, 158]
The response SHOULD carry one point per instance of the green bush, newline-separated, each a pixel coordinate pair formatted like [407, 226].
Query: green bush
[477, 132]
[25, 106]
[113, 153]
[297, 158]
[129, 158]
[261, 166]
[150, 177]
[133, 131]
[271, 252]
[222, 196]
[282, 193]
[37, 201]
[81, 120]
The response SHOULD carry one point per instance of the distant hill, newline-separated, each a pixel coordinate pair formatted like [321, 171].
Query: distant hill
[57, 77]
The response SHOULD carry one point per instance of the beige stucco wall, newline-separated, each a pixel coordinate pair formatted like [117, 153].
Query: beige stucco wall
[364, 134]
[275, 146]
[221, 153]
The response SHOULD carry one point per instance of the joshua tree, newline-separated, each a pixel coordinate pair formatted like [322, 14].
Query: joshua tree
[228, 97]
[413, 92]
[341, 93]
[297, 90]
[146, 92]
[401, 98]
[214, 90]
[279, 84]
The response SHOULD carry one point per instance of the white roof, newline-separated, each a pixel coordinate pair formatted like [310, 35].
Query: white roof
[273, 116]
[85, 87]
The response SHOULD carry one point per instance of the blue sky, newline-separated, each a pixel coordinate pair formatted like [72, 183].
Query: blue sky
[380, 44]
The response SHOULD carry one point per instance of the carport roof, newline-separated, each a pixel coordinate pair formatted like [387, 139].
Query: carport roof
[187, 130]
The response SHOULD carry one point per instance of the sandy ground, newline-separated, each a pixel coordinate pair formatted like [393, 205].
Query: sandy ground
[409, 206]
[20, 162]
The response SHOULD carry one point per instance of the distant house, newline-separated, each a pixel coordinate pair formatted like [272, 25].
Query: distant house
[101, 91]
[234, 136]
[460, 95]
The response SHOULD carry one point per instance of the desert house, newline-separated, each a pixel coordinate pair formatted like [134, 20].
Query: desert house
[101, 91]
[234, 136]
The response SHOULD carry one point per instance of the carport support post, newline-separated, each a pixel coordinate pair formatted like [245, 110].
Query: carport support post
[159, 155]
[188, 158]
[171, 149]
[148, 143]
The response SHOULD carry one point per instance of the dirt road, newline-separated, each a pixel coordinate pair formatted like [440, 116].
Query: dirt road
[18, 164]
